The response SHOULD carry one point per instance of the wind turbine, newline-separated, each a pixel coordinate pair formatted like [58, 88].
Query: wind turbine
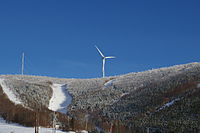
[104, 60]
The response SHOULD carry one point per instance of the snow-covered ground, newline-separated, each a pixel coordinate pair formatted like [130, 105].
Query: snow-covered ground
[15, 128]
[9, 93]
[60, 99]
[109, 83]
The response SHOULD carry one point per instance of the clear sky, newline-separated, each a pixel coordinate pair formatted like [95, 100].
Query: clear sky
[58, 36]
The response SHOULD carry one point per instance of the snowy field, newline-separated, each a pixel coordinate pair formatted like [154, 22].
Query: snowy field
[60, 99]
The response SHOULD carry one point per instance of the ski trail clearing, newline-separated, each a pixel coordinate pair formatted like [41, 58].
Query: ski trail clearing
[60, 99]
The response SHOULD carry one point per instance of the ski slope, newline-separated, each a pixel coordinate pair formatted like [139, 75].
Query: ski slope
[9, 93]
[60, 99]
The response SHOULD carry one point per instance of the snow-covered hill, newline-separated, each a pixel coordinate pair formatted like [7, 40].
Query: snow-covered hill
[156, 98]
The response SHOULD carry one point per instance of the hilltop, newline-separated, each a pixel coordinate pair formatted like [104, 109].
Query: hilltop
[166, 99]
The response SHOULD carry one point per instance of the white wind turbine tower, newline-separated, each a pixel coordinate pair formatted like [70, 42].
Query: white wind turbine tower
[104, 60]
[23, 63]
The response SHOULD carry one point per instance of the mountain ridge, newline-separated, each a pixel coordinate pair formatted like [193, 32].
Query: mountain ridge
[131, 102]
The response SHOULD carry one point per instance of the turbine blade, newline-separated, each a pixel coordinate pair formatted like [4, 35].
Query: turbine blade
[110, 57]
[99, 51]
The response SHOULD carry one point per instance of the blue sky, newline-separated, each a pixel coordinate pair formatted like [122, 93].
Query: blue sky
[58, 36]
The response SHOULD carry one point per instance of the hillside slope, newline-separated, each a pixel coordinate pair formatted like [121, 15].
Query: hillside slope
[165, 98]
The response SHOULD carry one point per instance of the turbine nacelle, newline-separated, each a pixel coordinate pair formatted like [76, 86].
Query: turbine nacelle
[110, 57]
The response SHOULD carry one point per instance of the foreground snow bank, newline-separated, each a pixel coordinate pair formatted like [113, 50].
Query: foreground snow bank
[60, 99]
[15, 128]
[9, 92]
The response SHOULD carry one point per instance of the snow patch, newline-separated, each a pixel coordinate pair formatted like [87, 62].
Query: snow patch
[198, 85]
[83, 131]
[168, 104]
[12, 97]
[109, 83]
[99, 130]
[60, 99]
[124, 94]
[2, 120]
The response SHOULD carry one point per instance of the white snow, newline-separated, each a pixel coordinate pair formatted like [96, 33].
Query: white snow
[198, 85]
[60, 99]
[83, 131]
[168, 104]
[123, 94]
[109, 83]
[15, 128]
[9, 92]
